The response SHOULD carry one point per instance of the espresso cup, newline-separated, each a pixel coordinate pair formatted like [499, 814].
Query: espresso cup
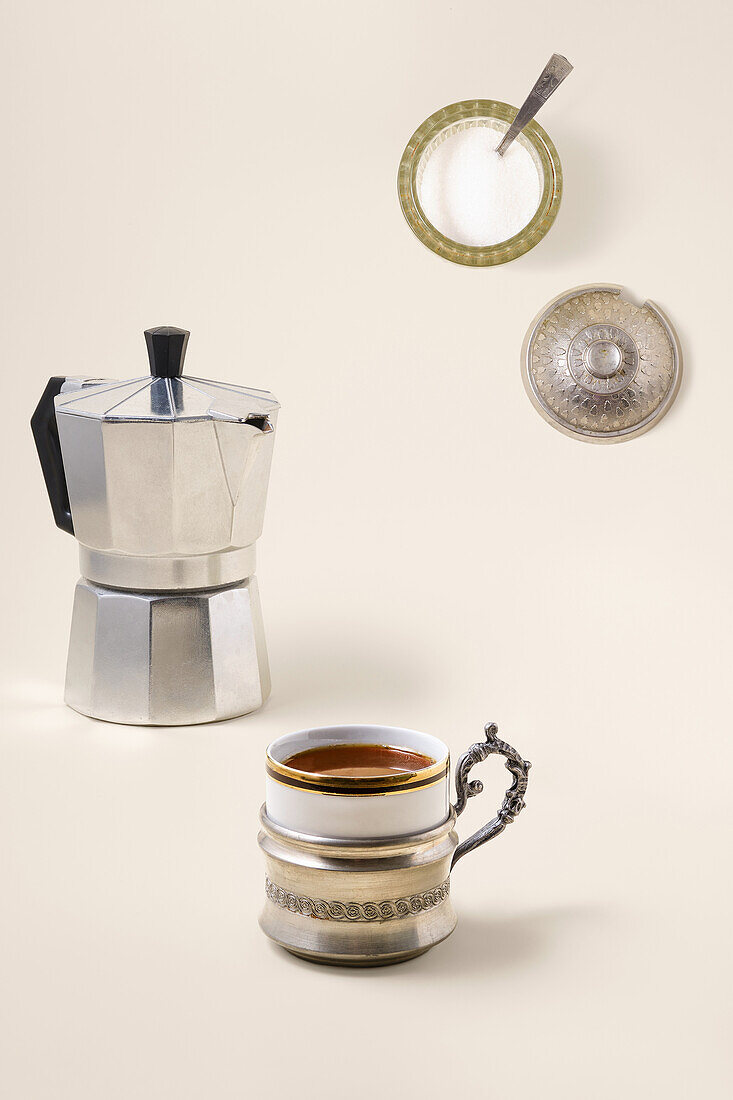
[358, 865]
[347, 806]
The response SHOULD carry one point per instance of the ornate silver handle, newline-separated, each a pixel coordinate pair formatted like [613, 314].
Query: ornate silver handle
[513, 800]
[551, 77]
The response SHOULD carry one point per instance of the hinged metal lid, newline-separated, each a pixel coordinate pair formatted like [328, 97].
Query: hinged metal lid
[600, 367]
[165, 394]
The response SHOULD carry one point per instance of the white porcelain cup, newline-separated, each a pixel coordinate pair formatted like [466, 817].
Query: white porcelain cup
[345, 807]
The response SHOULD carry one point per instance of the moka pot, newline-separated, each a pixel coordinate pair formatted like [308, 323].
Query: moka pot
[163, 482]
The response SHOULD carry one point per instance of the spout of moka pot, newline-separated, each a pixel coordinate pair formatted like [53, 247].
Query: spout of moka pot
[262, 423]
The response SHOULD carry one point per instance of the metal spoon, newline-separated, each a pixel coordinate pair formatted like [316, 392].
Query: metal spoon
[552, 76]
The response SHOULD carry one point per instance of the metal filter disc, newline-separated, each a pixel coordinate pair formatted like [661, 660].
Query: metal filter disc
[598, 366]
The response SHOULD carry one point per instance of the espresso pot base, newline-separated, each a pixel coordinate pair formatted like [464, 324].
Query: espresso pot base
[166, 658]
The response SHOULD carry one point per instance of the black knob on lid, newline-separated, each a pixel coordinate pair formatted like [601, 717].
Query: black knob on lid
[166, 350]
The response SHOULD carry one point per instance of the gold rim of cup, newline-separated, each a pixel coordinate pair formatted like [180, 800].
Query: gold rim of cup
[357, 785]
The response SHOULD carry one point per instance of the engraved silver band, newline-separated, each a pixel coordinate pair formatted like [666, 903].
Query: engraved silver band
[352, 911]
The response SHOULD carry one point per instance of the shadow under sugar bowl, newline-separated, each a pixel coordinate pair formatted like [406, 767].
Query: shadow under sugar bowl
[359, 839]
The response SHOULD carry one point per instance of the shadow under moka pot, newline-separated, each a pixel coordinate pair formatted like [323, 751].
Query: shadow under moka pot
[163, 481]
[358, 866]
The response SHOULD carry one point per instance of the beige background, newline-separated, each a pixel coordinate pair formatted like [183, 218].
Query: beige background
[434, 554]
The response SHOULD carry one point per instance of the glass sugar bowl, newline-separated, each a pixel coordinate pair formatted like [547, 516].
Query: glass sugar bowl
[449, 171]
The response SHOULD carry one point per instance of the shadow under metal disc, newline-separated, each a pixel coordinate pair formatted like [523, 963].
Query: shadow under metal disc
[599, 367]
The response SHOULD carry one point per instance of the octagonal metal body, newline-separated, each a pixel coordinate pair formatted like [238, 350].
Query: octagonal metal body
[166, 466]
[167, 658]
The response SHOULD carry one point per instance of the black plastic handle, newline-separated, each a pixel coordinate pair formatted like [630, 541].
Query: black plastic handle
[166, 350]
[46, 434]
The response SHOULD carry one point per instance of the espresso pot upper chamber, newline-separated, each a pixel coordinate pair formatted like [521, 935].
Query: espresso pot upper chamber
[159, 465]
[162, 479]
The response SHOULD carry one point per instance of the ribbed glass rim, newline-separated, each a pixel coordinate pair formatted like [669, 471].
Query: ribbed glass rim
[470, 255]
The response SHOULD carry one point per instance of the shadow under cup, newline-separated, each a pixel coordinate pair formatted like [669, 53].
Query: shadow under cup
[348, 807]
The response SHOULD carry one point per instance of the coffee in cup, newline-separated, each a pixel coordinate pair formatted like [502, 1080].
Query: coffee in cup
[359, 760]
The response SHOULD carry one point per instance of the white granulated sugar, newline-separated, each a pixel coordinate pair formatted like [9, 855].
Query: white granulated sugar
[473, 195]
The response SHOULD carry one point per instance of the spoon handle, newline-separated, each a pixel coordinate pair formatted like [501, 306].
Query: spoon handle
[552, 76]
